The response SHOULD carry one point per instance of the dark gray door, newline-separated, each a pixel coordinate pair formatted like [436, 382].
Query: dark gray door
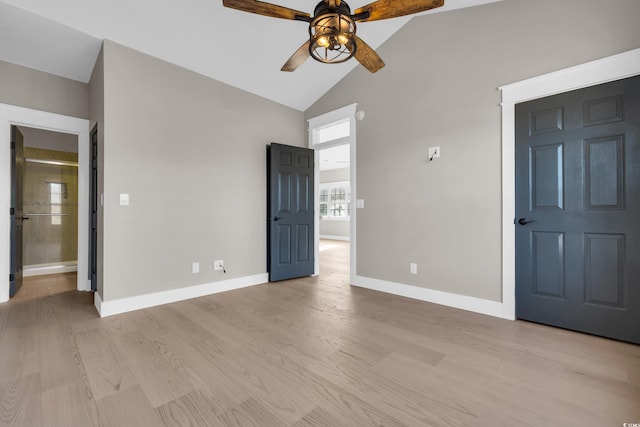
[17, 168]
[290, 206]
[93, 214]
[578, 210]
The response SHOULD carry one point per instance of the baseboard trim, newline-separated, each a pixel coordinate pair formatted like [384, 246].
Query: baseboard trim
[44, 269]
[476, 305]
[332, 237]
[109, 308]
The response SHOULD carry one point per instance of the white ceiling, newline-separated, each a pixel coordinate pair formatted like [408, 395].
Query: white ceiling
[335, 157]
[63, 37]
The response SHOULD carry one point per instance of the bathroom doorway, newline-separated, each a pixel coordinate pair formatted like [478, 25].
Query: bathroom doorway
[49, 213]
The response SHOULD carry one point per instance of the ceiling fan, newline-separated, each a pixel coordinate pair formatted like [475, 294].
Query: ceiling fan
[332, 29]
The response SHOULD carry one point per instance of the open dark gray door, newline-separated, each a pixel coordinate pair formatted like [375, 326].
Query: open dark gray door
[578, 210]
[93, 214]
[290, 207]
[17, 168]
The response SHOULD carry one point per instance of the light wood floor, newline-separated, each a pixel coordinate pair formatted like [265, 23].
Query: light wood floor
[49, 284]
[307, 352]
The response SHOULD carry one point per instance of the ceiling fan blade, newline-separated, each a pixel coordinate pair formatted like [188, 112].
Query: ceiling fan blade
[385, 9]
[267, 9]
[297, 58]
[367, 56]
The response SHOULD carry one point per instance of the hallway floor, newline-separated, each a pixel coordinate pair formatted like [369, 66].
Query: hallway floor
[50, 284]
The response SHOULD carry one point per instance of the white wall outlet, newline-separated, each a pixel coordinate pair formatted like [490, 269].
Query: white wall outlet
[218, 264]
[195, 267]
[124, 199]
[413, 268]
[434, 153]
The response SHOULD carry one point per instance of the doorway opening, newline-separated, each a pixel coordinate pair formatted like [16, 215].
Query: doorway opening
[49, 212]
[333, 138]
[11, 115]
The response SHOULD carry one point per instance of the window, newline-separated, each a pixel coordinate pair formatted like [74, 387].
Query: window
[335, 200]
[57, 192]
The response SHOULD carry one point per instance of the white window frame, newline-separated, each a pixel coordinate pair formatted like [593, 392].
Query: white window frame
[337, 184]
[340, 115]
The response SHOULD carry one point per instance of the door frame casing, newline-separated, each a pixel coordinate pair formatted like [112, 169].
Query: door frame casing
[346, 112]
[603, 70]
[20, 116]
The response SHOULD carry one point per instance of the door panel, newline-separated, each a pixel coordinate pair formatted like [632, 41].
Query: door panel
[578, 210]
[291, 214]
[17, 172]
[93, 214]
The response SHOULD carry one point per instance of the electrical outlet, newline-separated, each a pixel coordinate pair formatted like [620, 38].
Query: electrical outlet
[413, 268]
[195, 267]
[218, 264]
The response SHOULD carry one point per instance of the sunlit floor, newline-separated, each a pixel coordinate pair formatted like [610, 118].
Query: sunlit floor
[50, 284]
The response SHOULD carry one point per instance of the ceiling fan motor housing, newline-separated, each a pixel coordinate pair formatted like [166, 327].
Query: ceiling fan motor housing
[332, 33]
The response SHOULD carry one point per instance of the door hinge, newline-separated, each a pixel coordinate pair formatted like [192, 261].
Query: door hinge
[12, 277]
[13, 145]
[12, 211]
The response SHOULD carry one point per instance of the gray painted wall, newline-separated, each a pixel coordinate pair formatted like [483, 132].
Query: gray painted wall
[29, 88]
[330, 227]
[190, 152]
[440, 88]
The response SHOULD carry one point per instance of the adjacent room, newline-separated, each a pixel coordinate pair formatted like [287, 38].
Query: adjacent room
[398, 213]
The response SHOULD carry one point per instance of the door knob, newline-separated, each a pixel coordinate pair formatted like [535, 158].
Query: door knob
[275, 218]
[524, 221]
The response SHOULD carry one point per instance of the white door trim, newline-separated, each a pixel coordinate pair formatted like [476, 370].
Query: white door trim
[348, 111]
[19, 116]
[604, 70]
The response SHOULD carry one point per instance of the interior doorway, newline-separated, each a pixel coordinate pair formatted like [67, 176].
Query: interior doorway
[335, 207]
[49, 211]
[333, 138]
[19, 116]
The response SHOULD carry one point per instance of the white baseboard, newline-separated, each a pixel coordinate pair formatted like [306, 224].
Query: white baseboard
[53, 268]
[109, 308]
[332, 237]
[476, 305]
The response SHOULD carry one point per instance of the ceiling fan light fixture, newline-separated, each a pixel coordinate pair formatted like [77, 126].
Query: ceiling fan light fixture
[332, 38]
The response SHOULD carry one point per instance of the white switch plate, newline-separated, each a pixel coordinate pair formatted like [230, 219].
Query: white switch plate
[434, 152]
[101, 199]
[360, 203]
[218, 264]
[413, 268]
[195, 267]
[124, 199]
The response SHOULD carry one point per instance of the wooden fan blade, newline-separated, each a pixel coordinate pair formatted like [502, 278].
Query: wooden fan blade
[297, 58]
[267, 9]
[385, 9]
[367, 56]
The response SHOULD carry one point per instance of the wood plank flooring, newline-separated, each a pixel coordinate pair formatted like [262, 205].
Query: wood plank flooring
[48, 284]
[305, 352]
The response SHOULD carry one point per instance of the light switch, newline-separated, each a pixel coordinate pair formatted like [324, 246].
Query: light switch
[360, 203]
[124, 199]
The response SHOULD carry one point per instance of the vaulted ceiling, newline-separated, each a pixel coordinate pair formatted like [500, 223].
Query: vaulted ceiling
[63, 37]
